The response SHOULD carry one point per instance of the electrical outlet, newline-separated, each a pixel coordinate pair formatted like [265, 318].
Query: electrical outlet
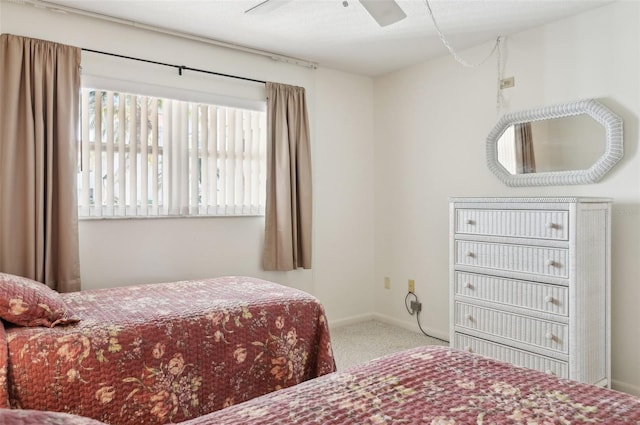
[412, 285]
[507, 83]
[387, 283]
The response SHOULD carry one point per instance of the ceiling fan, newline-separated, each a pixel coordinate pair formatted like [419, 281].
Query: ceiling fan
[385, 12]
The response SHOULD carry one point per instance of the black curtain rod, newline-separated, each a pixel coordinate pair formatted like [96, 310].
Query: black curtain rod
[180, 68]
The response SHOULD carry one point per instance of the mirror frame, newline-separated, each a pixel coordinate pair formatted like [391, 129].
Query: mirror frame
[614, 149]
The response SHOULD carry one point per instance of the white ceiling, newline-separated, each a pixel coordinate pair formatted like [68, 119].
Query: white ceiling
[345, 38]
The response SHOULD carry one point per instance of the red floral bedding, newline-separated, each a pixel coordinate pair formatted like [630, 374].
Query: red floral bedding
[152, 354]
[434, 386]
[428, 385]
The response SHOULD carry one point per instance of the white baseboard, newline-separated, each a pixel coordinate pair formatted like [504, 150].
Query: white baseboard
[625, 387]
[350, 320]
[410, 326]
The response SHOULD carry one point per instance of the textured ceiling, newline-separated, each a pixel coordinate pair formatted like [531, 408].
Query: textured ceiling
[345, 38]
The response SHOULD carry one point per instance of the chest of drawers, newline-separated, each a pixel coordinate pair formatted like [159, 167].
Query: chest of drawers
[530, 283]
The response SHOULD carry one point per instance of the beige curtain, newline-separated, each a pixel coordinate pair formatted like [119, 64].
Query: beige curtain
[39, 101]
[525, 158]
[289, 202]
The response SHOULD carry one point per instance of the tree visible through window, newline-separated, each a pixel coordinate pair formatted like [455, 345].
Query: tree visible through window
[145, 156]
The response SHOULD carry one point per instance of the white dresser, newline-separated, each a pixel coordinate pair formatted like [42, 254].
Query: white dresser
[530, 283]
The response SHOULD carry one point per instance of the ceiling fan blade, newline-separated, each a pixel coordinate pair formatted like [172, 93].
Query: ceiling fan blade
[266, 6]
[385, 12]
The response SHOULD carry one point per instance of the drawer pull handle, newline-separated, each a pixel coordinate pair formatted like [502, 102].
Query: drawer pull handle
[468, 317]
[551, 263]
[468, 285]
[552, 226]
[470, 222]
[550, 336]
[468, 349]
[549, 299]
[470, 254]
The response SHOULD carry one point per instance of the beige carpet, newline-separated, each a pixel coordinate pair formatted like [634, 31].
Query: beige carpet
[361, 342]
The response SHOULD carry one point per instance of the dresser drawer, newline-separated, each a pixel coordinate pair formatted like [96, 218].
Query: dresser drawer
[528, 330]
[513, 223]
[517, 293]
[511, 355]
[517, 258]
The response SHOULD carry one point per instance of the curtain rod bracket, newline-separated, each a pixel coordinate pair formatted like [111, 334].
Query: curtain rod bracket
[180, 68]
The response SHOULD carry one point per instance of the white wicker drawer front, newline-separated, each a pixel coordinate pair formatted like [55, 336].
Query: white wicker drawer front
[528, 330]
[518, 258]
[514, 223]
[512, 355]
[518, 293]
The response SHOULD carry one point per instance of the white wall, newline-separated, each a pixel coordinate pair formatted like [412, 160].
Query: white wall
[343, 190]
[431, 121]
[124, 252]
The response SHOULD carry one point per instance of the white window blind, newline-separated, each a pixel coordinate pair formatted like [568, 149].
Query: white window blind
[145, 156]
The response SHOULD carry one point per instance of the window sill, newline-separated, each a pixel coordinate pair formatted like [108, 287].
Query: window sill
[162, 217]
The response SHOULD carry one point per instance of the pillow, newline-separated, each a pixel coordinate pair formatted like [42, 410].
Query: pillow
[26, 302]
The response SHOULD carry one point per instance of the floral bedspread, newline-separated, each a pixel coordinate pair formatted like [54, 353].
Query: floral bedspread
[153, 354]
[434, 386]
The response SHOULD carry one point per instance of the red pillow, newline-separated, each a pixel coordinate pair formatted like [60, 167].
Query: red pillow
[26, 302]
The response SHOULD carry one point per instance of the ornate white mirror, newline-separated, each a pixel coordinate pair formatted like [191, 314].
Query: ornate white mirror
[572, 143]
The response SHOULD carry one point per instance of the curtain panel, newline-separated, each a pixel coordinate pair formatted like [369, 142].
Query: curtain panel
[39, 104]
[288, 209]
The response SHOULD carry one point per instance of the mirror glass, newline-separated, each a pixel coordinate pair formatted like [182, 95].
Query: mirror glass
[559, 144]
[572, 143]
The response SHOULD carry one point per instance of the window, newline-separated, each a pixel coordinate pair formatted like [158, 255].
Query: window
[144, 156]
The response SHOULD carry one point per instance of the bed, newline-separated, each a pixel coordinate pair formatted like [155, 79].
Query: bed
[427, 385]
[157, 353]
[437, 386]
